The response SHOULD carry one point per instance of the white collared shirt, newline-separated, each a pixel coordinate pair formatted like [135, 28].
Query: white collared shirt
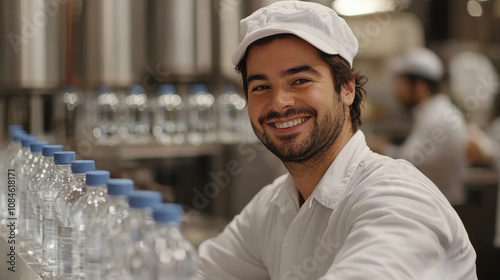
[437, 146]
[370, 217]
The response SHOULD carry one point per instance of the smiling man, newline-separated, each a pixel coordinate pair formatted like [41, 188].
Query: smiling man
[342, 211]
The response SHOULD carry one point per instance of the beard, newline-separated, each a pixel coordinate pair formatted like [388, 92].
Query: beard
[410, 105]
[411, 102]
[324, 133]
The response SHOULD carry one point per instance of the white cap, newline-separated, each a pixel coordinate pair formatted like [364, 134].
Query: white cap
[420, 62]
[317, 24]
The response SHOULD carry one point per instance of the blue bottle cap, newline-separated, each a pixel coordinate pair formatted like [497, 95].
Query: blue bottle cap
[49, 150]
[13, 128]
[137, 89]
[36, 147]
[118, 187]
[198, 88]
[64, 157]
[70, 89]
[166, 89]
[27, 140]
[168, 213]
[82, 166]
[144, 199]
[97, 178]
[17, 135]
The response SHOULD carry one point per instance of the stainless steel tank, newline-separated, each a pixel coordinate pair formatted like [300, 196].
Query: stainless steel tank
[181, 37]
[115, 42]
[32, 35]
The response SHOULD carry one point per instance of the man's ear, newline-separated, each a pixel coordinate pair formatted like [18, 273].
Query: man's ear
[348, 93]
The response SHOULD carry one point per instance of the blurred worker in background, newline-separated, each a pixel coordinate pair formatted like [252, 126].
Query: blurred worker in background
[342, 211]
[437, 143]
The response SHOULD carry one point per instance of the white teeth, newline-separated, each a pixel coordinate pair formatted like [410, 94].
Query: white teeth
[290, 123]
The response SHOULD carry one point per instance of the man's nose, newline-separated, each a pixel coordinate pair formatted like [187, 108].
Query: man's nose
[281, 100]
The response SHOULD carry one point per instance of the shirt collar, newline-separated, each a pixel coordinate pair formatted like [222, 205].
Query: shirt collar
[287, 194]
[332, 185]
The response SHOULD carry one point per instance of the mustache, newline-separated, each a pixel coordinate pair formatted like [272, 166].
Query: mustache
[287, 114]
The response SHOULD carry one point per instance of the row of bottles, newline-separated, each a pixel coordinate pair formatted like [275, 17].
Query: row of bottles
[81, 224]
[170, 117]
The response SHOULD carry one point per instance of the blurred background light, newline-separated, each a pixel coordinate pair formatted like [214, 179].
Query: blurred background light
[474, 8]
[362, 7]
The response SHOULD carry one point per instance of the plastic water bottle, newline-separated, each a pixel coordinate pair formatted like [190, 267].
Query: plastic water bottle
[202, 118]
[111, 115]
[72, 99]
[35, 180]
[15, 133]
[170, 121]
[19, 162]
[9, 153]
[9, 172]
[138, 113]
[48, 193]
[134, 230]
[173, 257]
[64, 204]
[31, 166]
[71, 193]
[5, 153]
[112, 221]
[86, 212]
[231, 107]
[23, 172]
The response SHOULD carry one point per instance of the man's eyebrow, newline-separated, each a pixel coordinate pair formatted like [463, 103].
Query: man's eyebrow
[256, 78]
[298, 69]
[287, 72]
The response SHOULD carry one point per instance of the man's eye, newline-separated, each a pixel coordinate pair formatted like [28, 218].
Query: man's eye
[257, 88]
[300, 81]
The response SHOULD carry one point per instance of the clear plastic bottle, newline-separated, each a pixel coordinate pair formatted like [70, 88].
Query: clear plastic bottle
[134, 230]
[64, 204]
[48, 192]
[13, 129]
[16, 133]
[138, 115]
[6, 155]
[20, 162]
[112, 220]
[31, 166]
[170, 120]
[172, 256]
[110, 114]
[35, 180]
[202, 117]
[231, 108]
[72, 98]
[86, 212]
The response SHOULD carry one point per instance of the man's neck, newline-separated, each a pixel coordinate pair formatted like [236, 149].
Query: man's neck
[422, 101]
[306, 175]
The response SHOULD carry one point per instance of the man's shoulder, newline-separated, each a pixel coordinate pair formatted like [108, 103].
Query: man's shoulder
[376, 171]
[374, 164]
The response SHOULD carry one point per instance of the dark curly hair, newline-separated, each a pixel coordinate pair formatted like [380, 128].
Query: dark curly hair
[342, 74]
